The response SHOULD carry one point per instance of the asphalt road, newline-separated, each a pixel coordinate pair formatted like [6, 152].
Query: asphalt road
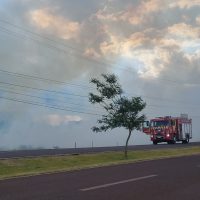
[48, 152]
[174, 178]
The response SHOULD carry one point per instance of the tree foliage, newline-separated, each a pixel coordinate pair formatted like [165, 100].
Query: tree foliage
[121, 111]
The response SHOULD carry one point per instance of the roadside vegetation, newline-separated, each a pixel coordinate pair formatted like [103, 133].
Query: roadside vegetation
[10, 168]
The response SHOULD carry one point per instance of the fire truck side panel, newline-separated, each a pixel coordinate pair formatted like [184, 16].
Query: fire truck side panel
[185, 129]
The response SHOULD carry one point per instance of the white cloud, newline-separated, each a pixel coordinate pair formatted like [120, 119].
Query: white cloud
[134, 14]
[63, 27]
[91, 53]
[198, 20]
[185, 3]
[185, 31]
[57, 120]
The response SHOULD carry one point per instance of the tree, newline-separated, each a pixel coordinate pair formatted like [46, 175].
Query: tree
[121, 111]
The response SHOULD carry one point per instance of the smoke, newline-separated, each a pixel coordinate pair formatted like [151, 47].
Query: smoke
[152, 46]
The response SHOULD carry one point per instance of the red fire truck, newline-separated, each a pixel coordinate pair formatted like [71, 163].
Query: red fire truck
[169, 129]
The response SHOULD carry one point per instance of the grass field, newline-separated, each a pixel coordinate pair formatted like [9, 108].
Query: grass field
[31, 166]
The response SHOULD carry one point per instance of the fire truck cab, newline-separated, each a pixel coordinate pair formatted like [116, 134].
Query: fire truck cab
[169, 129]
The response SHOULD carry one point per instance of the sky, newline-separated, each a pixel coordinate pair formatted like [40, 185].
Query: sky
[49, 51]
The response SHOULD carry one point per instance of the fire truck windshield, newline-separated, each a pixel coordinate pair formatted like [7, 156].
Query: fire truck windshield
[159, 123]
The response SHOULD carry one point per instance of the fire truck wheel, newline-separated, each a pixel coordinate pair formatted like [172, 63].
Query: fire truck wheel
[169, 142]
[154, 142]
[187, 139]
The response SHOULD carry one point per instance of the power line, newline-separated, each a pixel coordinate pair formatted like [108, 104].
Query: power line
[70, 47]
[28, 95]
[13, 88]
[45, 79]
[34, 88]
[22, 36]
[45, 99]
[42, 105]
[39, 35]
[78, 85]
[104, 64]
[50, 46]
[21, 75]
[56, 107]
[54, 41]
[72, 94]
[22, 86]
[52, 107]
[5, 89]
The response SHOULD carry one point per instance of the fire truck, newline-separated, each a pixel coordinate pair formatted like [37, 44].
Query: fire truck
[169, 129]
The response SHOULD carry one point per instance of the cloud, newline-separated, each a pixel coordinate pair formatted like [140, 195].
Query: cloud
[184, 31]
[185, 4]
[58, 120]
[198, 20]
[136, 13]
[154, 36]
[187, 68]
[130, 15]
[91, 53]
[59, 25]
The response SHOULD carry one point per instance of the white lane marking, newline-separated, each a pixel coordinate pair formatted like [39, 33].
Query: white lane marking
[117, 183]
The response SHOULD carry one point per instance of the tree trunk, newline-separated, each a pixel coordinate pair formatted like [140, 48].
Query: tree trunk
[126, 147]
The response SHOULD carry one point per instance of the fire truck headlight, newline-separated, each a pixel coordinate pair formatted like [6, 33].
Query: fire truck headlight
[168, 134]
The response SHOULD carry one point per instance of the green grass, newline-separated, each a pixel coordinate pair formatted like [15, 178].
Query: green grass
[31, 166]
